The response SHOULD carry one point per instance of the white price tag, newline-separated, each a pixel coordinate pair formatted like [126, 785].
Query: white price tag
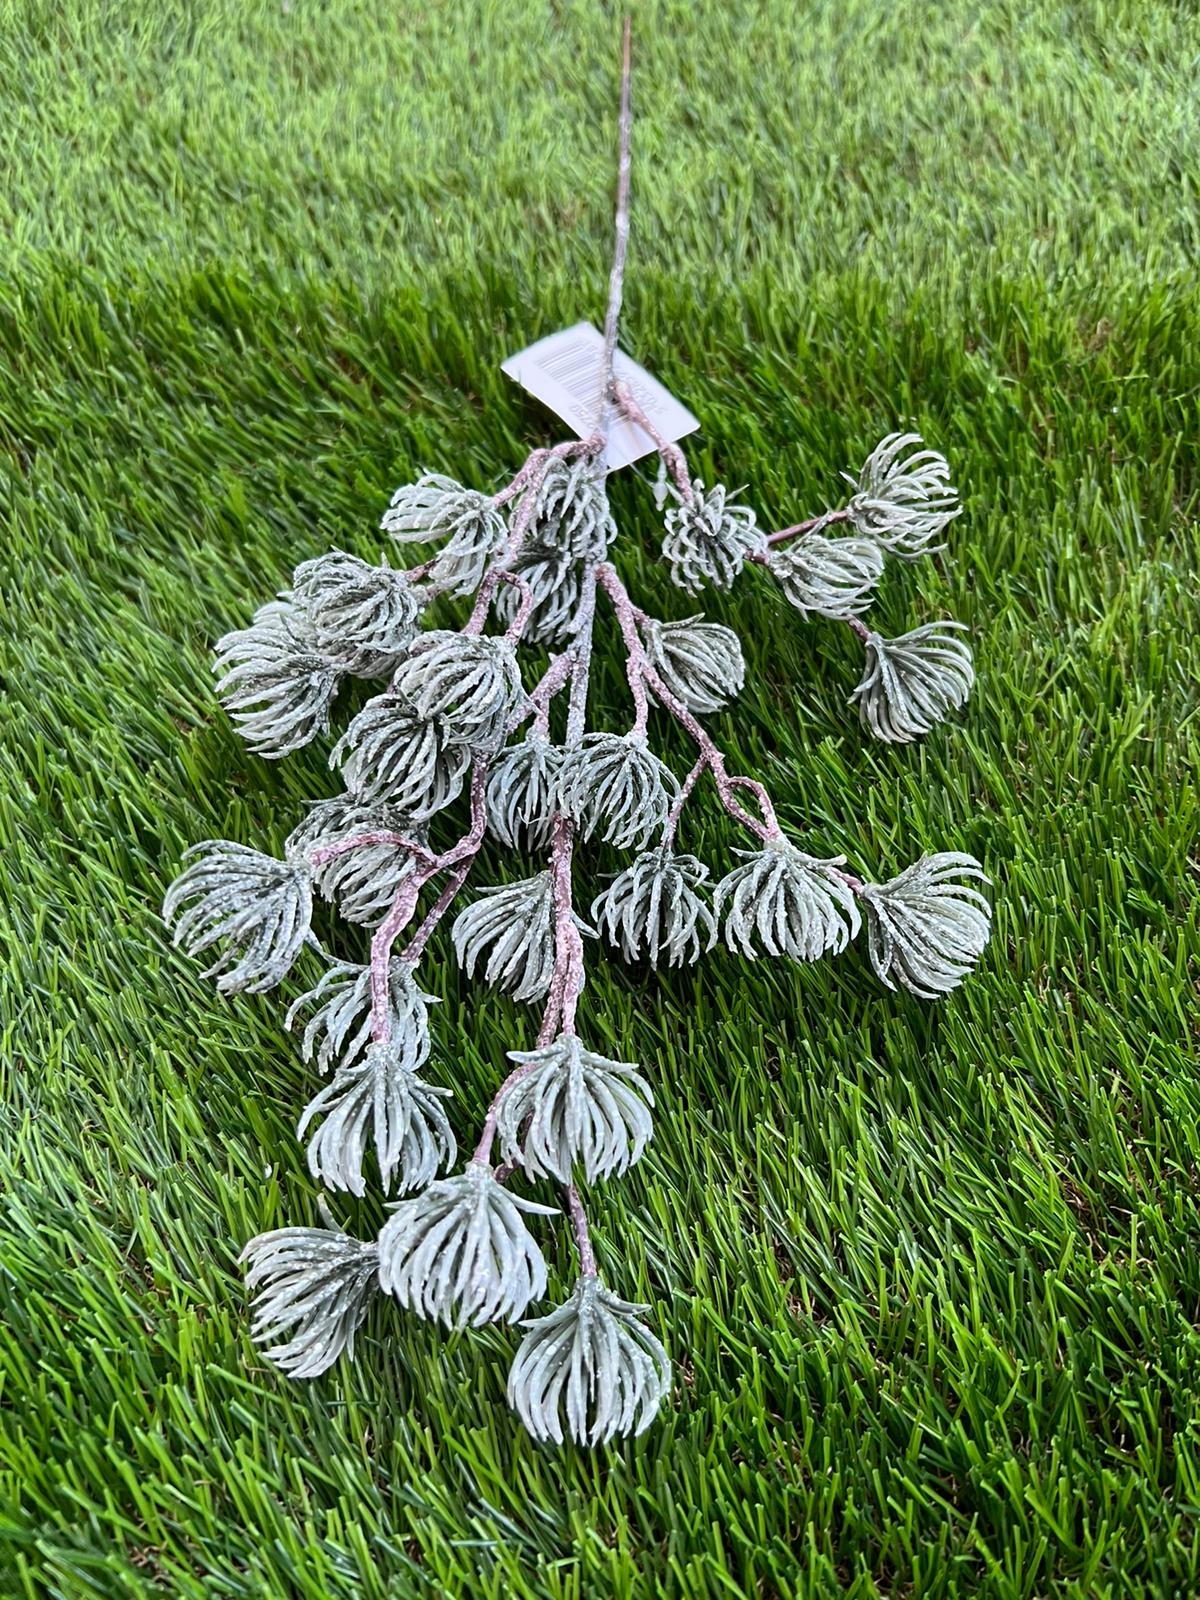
[564, 371]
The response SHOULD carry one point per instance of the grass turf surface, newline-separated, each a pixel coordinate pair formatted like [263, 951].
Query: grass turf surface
[931, 1276]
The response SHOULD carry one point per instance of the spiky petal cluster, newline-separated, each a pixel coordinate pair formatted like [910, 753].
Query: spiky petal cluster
[912, 683]
[709, 537]
[362, 882]
[572, 1106]
[595, 1359]
[259, 909]
[616, 785]
[363, 617]
[555, 584]
[700, 662]
[379, 1101]
[573, 514]
[652, 911]
[460, 1253]
[339, 1029]
[472, 683]
[904, 499]
[512, 927]
[313, 1289]
[275, 682]
[828, 577]
[782, 902]
[925, 928]
[440, 508]
[390, 753]
[522, 791]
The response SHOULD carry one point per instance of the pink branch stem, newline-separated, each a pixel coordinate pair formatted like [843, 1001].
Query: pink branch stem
[583, 1239]
[671, 454]
[710, 755]
[330, 852]
[810, 526]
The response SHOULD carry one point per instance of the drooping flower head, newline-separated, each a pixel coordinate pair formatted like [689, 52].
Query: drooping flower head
[339, 1029]
[362, 882]
[573, 1106]
[472, 682]
[510, 926]
[782, 902]
[614, 784]
[391, 754]
[363, 617]
[912, 683]
[652, 910]
[700, 662]
[828, 577]
[275, 682]
[313, 1290]
[926, 929]
[460, 1253]
[439, 508]
[904, 499]
[257, 908]
[708, 538]
[595, 1359]
[522, 791]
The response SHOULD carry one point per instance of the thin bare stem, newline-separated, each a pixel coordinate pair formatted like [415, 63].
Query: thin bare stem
[583, 1238]
[810, 526]
[710, 755]
[624, 167]
[671, 454]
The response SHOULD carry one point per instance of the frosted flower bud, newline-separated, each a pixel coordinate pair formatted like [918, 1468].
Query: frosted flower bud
[700, 662]
[460, 1252]
[363, 882]
[259, 909]
[522, 791]
[708, 539]
[924, 929]
[339, 1029]
[437, 507]
[378, 1101]
[512, 927]
[904, 498]
[828, 577]
[313, 1290]
[912, 683]
[473, 683]
[572, 1107]
[595, 1359]
[274, 681]
[391, 754]
[614, 784]
[652, 911]
[555, 585]
[785, 903]
[573, 516]
[363, 617]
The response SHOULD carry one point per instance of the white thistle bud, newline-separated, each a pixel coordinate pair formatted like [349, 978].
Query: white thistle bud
[573, 514]
[555, 583]
[708, 538]
[792, 904]
[258, 908]
[363, 882]
[314, 1286]
[594, 1354]
[912, 683]
[437, 507]
[391, 754]
[615, 784]
[382, 1101]
[340, 1027]
[363, 617]
[652, 910]
[573, 1106]
[904, 500]
[274, 681]
[522, 791]
[472, 682]
[924, 929]
[700, 662]
[512, 925]
[460, 1252]
[828, 577]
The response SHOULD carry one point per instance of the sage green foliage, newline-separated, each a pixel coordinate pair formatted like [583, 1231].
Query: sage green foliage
[930, 1275]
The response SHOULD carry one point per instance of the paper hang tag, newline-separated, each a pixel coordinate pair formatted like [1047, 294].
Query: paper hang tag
[564, 371]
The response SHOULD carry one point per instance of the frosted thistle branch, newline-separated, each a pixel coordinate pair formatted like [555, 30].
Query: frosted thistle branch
[451, 750]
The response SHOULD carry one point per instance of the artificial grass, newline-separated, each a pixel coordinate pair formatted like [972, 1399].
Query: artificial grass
[931, 1276]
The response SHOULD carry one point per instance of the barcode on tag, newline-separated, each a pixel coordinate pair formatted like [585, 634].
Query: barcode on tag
[564, 371]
